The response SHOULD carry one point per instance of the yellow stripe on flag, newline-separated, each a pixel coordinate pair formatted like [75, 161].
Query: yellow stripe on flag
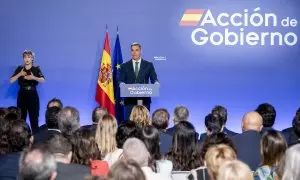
[191, 17]
[106, 70]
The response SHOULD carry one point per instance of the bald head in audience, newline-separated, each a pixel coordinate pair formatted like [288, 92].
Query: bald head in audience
[252, 121]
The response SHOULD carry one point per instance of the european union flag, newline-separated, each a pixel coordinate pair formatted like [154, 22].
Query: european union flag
[117, 61]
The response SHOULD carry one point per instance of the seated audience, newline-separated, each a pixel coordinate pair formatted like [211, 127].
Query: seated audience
[221, 112]
[3, 112]
[289, 133]
[140, 115]
[17, 139]
[51, 124]
[52, 103]
[97, 115]
[106, 139]
[289, 169]
[273, 147]
[85, 151]
[160, 120]
[4, 146]
[248, 143]
[150, 137]
[184, 154]
[37, 164]
[181, 113]
[127, 129]
[61, 148]
[294, 137]
[135, 149]
[235, 170]
[217, 156]
[126, 170]
[268, 114]
[68, 121]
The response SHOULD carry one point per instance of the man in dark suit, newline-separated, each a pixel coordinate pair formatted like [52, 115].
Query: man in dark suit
[136, 71]
[19, 137]
[289, 133]
[97, 115]
[160, 120]
[52, 126]
[181, 113]
[61, 148]
[248, 143]
[222, 113]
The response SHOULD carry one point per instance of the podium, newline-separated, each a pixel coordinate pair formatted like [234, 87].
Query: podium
[139, 90]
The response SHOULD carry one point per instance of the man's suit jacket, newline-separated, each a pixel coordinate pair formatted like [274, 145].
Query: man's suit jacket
[42, 136]
[247, 145]
[71, 171]
[165, 142]
[127, 76]
[226, 131]
[9, 166]
[287, 133]
[171, 132]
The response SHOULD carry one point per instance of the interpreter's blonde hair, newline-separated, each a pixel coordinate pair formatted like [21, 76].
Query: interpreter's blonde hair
[106, 134]
[235, 170]
[141, 115]
[217, 156]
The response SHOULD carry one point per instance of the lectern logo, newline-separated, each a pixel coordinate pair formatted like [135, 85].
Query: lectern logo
[225, 25]
[105, 74]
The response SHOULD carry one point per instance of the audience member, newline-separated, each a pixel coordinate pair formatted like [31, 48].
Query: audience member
[273, 147]
[97, 115]
[181, 113]
[61, 148]
[160, 120]
[289, 133]
[184, 149]
[127, 129]
[217, 156]
[106, 139]
[141, 115]
[126, 170]
[37, 164]
[235, 170]
[268, 114]
[135, 149]
[248, 143]
[291, 164]
[68, 121]
[51, 124]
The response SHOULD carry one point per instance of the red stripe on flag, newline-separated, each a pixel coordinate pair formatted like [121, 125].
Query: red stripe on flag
[188, 23]
[106, 44]
[194, 11]
[104, 101]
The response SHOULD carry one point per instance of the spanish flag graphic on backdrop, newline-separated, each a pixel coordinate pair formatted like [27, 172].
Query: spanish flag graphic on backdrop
[105, 86]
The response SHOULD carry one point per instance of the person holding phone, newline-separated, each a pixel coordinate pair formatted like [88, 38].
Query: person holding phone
[28, 77]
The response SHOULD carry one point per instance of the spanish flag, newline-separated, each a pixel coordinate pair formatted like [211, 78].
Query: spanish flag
[105, 86]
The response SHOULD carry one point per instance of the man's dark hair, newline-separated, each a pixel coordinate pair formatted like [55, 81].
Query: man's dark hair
[59, 144]
[98, 113]
[16, 110]
[55, 100]
[68, 121]
[268, 113]
[127, 129]
[136, 44]
[52, 117]
[3, 112]
[221, 112]
[296, 124]
[18, 136]
[213, 123]
[36, 164]
[160, 119]
[4, 145]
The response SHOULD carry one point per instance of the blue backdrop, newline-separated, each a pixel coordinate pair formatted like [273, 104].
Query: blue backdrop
[67, 38]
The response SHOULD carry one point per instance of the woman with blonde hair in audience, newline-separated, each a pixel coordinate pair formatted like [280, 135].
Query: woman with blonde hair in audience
[272, 148]
[106, 139]
[235, 170]
[141, 115]
[217, 156]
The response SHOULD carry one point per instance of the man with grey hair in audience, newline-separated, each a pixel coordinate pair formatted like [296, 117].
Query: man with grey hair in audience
[97, 115]
[37, 164]
[68, 121]
[181, 113]
[135, 149]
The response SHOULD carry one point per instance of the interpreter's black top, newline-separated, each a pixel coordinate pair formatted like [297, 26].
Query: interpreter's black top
[35, 70]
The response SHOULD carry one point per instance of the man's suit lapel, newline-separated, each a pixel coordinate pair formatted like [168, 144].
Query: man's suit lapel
[131, 70]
